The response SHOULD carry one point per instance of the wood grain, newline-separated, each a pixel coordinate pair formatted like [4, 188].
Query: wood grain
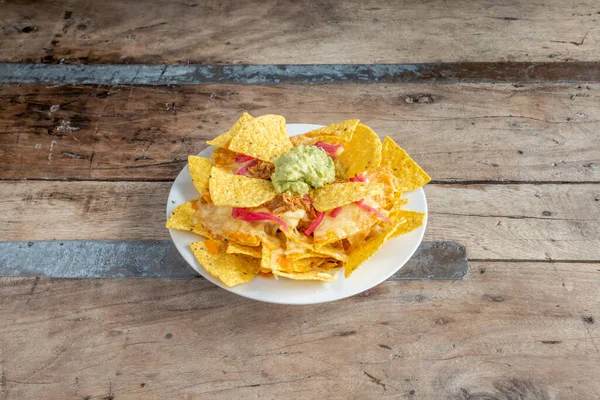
[303, 32]
[524, 222]
[457, 132]
[512, 330]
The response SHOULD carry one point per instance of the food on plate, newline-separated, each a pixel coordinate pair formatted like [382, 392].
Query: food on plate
[299, 207]
[302, 168]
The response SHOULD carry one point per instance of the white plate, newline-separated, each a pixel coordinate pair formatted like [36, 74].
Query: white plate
[389, 259]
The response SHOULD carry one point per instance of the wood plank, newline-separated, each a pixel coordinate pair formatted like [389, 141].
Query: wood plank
[282, 32]
[524, 222]
[458, 132]
[512, 330]
[160, 259]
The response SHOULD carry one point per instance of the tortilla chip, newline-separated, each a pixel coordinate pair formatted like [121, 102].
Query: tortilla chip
[265, 261]
[408, 221]
[362, 153]
[304, 255]
[341, 132]
[265, 138]
[411, 175]
[199, 171]
[225, 159]
[326, 276]
[330, 251]
[252, 251]
[237, 190]
[400, 202]
[223, 140]
[359, 255]
[231, 269]
[329, 265]
[301, 265]
[339, 194]
[308, 141]
[200, 230]
[182, 217]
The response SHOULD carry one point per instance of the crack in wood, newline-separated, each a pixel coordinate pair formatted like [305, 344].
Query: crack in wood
[375, 380]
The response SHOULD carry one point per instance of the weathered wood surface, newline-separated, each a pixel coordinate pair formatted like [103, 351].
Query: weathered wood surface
[160, 259]
[284, 32]
[505, 222]
[510, 331]
[457, 132]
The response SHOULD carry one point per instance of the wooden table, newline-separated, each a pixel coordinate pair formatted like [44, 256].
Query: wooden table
[499, 102]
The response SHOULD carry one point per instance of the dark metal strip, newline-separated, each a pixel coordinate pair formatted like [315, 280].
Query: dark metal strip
[160, 259]
[315, 73]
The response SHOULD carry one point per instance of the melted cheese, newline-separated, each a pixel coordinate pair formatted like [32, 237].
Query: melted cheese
[218, 220]
[350, 221]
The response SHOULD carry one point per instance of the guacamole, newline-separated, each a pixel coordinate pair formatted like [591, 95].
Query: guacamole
[301, 168]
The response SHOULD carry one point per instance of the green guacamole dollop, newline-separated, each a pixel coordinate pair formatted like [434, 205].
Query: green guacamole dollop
[302, 168]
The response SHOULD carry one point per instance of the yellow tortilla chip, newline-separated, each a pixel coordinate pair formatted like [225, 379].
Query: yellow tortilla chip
[252, 251]
[408, 221]
[330, 264]
[265, 261]
[225, 138]
[265, 138]
[339, 194]
[231, 190]
[307, 141]
[343, 128]
[199, 171]
[231, 269]
[360, 254]
[200, 230]
[362, 153]
[225, 159]
[326, 276]
[341, 132]
[182, 217]
[330, 251]
[411, 175]
[306, 264]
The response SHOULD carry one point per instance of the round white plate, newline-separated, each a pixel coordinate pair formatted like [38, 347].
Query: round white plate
[389, 259]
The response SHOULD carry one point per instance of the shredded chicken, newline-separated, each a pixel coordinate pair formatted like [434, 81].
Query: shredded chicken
[286, 202]
[261, 170]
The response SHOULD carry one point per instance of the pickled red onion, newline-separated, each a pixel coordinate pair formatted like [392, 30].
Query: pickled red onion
[251, 216]
[359, 178]
[244, 169]
[243, 159]
[362, 205]
[335, 212]
[332, 150]
[315, 223]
